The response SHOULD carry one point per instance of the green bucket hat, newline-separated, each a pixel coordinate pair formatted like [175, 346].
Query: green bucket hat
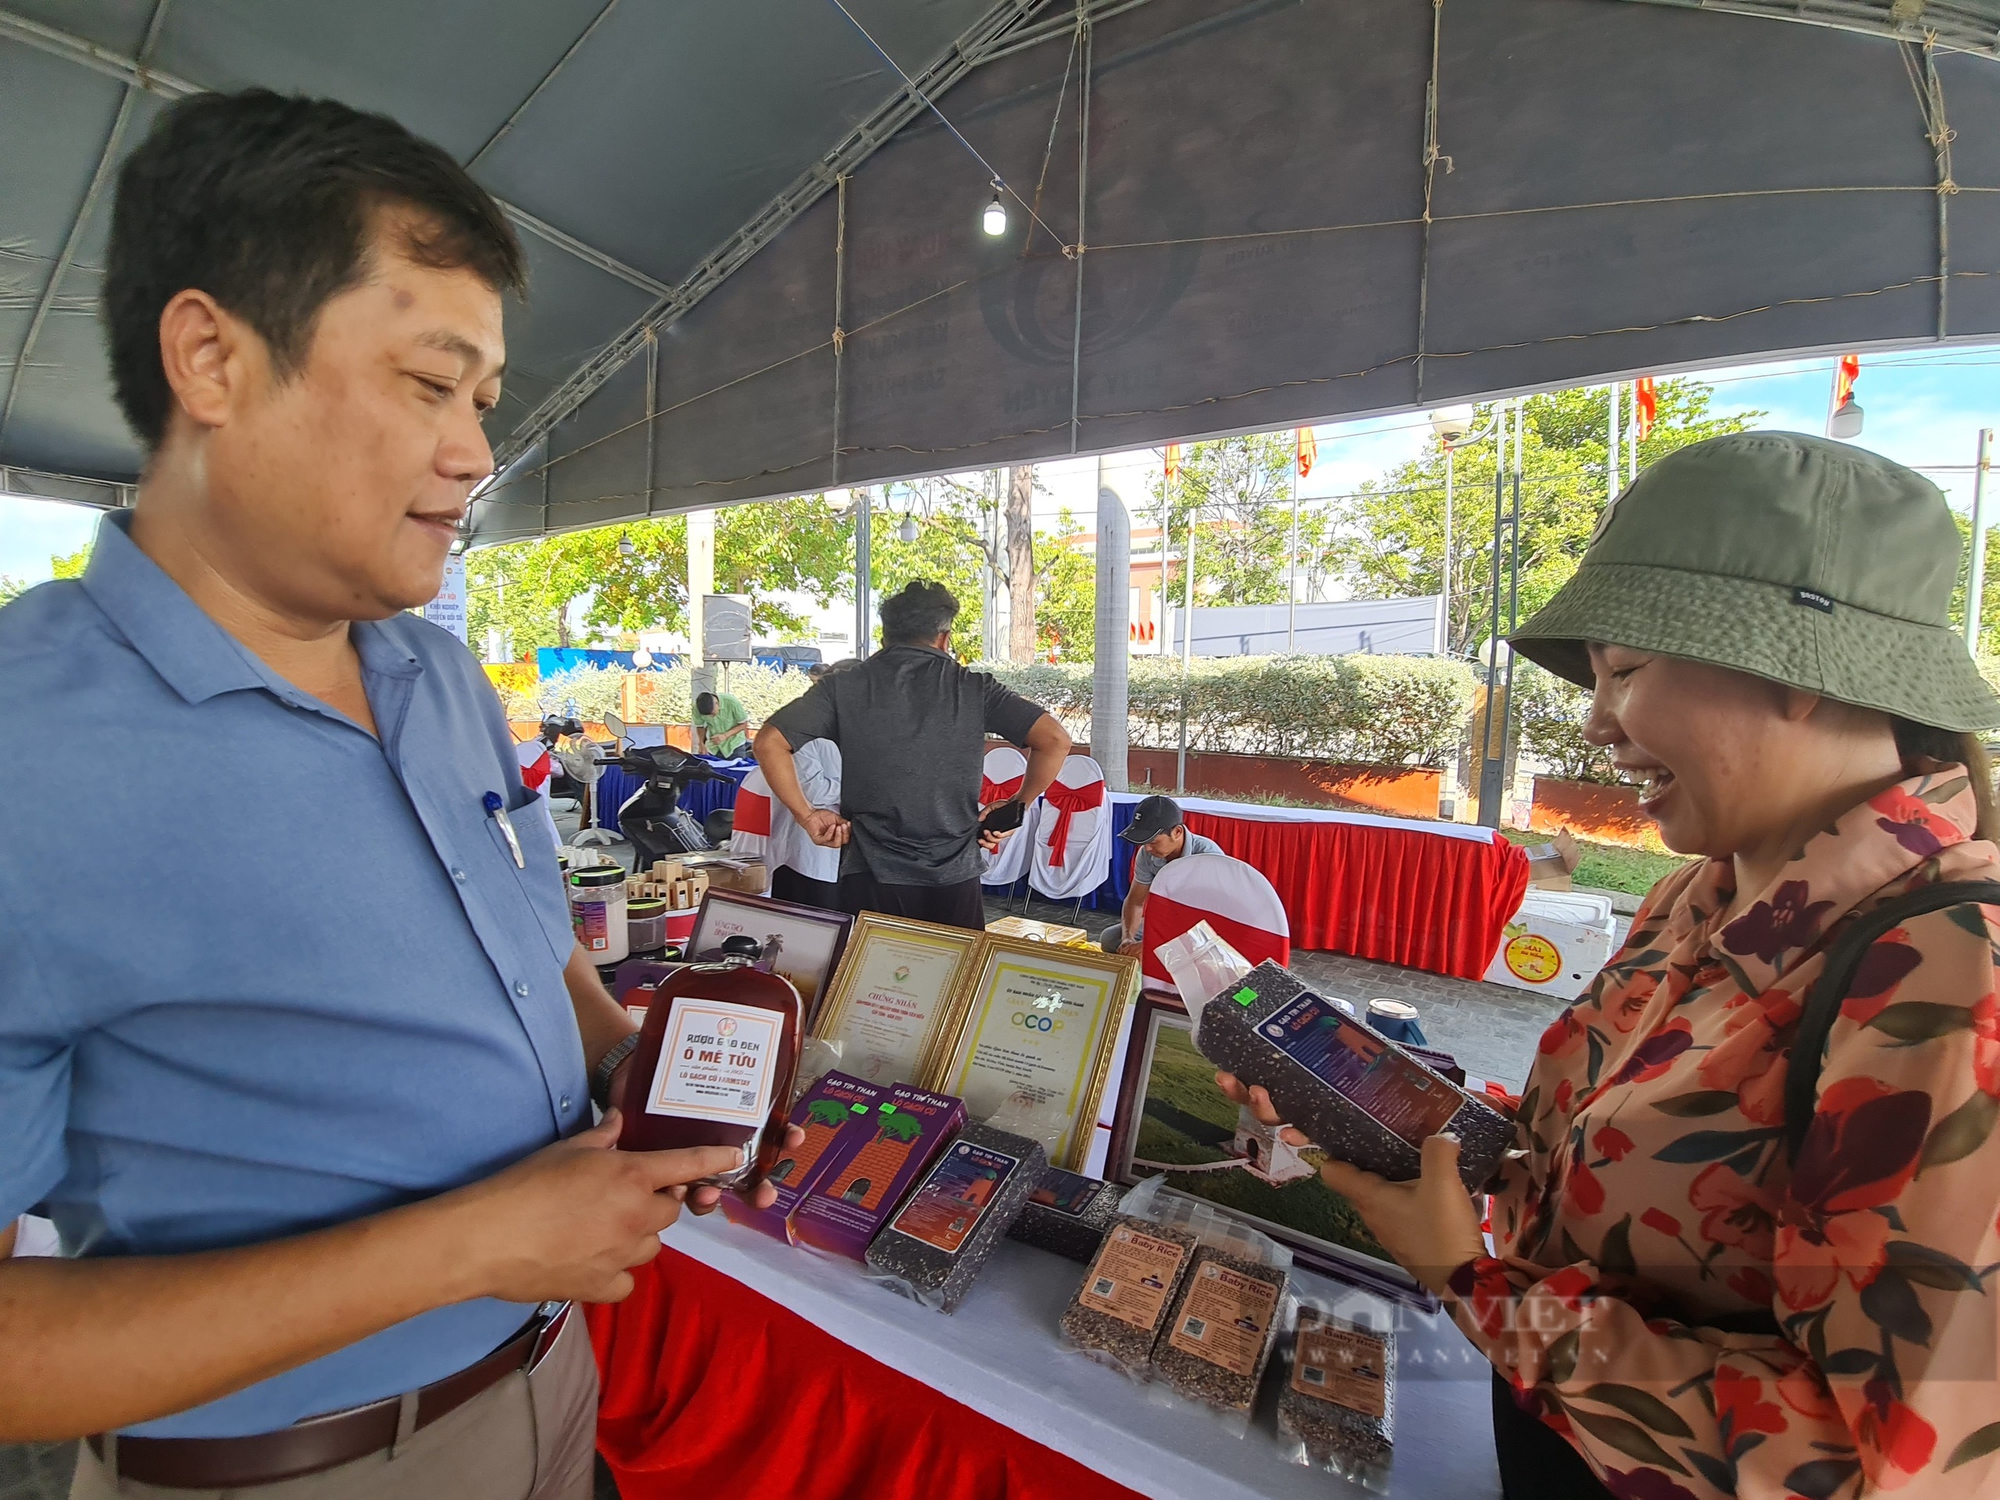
[1808, 562]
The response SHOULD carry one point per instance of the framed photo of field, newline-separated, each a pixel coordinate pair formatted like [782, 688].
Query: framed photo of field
[1035, 1033]
[895, 996]
[1172, 1119]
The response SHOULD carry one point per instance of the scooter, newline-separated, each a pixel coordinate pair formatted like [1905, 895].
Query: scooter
[652, 818]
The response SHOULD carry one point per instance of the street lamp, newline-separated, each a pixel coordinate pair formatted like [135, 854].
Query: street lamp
[1453, 427]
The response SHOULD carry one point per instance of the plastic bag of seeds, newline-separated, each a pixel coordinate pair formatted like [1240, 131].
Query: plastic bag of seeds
[1221, 1330]
[1117, 1313]
[1068, 1214]
[817, 1058]
[946, 1229]
[1337, 1403]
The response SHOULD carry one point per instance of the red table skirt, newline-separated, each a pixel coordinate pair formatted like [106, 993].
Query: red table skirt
[1422, 900]
[711, 1390]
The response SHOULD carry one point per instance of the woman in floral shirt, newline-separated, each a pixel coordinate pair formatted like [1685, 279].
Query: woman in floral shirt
[1763, 620]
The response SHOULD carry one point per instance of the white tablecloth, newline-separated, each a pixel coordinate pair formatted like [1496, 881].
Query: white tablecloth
[1000, 1355]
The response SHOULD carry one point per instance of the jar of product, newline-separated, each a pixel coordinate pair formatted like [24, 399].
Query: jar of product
[597, 912]
[646, 921]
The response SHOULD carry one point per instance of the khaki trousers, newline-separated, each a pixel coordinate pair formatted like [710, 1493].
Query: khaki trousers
[530, 1437]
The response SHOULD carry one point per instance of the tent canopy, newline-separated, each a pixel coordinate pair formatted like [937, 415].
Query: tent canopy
[757, 259]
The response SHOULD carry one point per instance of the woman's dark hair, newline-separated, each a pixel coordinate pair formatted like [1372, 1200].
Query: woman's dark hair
[1966, 749]
[706, 703]
[919, 614]
[265, 202]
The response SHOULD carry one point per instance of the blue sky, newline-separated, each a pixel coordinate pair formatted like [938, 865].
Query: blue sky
[1924, 408]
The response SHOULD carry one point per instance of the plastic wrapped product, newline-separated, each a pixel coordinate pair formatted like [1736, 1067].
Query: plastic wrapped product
[1338, 1402]
[1117, 1314]
[1353, 1092]
[847, 1207]
[1222, 1328]
[1068, 1214]
[835, 1114]
[940, 1238]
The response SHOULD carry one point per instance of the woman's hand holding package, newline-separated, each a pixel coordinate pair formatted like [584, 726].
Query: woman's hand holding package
[1429, 1224]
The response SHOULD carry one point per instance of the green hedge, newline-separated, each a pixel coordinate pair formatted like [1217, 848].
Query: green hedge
[1550, 712]
[596, 689]
[1372, 710]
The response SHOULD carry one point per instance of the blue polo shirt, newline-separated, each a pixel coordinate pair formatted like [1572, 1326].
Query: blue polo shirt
[260, 972]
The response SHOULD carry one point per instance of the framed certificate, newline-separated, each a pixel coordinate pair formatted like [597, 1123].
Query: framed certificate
[895, 996]
[802, 943]
[1035, 1032]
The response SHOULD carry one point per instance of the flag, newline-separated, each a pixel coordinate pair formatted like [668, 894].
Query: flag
[1844, 375]
[1308, 451]
[1173, 461]
[1645, 405]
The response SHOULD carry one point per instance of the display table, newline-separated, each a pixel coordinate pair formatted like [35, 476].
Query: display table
[743, 1367]
[1423, 894]
[701, 799]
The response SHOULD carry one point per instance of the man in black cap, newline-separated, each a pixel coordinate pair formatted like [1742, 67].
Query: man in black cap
[1162, 836]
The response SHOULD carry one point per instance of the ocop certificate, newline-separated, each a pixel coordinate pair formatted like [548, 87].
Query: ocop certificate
[1034, 1030]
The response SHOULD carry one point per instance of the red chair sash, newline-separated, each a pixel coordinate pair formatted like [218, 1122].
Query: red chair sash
[991, 791]
[1068, 801]
[753, 812]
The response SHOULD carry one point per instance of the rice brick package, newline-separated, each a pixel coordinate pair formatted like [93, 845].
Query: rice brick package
[837, 1116]
[1117, 1314]
[846, 1208]
[1223, 1327]
[1068, 1214]
[1339, 1403]
[936, 1243]
[1354, 1093]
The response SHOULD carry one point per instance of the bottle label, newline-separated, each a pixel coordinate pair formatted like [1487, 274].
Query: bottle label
[592, 921]
[1400, 1095]
[1132, 1277]
[1343, 1365]
[718, 1061]
[1225, 1318]
[944, 1209]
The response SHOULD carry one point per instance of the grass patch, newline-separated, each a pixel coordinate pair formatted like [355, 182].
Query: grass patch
[1611, 867]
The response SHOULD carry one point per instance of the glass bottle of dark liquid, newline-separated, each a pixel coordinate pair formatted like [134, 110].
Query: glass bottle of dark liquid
[714, 1066]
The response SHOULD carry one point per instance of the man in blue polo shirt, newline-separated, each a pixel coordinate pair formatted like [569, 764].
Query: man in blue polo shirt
[296, 1046]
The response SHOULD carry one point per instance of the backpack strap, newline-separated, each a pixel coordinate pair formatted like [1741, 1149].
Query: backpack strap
[1843, 958]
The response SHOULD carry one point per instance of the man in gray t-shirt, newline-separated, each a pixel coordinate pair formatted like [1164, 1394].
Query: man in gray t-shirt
[911, 724]
[1162, 836]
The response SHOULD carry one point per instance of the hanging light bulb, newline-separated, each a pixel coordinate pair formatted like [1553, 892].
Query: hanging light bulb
[994, 220]
[907, 529]
[625, 547]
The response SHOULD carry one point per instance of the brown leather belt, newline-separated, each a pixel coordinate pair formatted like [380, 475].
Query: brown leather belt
[322, 1442]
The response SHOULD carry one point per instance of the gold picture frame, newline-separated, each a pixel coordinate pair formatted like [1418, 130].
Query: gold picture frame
[930, 966]
[1031, 984]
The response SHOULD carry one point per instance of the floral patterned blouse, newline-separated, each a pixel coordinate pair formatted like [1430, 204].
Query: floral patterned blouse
[1656, 1194]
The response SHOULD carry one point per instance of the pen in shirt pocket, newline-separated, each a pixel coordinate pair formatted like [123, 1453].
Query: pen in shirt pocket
[496, 809]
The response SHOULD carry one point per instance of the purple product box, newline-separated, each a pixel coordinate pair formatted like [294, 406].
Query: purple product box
[848, 1205]
[838, 1116]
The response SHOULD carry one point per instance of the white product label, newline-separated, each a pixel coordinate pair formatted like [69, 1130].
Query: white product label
[717, 1062]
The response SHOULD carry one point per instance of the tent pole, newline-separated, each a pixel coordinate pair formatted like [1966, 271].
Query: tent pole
[1292, 575]
[1187, 656]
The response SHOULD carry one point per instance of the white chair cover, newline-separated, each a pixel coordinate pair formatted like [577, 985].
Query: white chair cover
[757, 814]
[1086, 854]
[1005, 766]
[1234, 898]
[818, 766]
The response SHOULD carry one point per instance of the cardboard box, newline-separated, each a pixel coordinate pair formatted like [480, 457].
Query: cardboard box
[1040, 932]
[1556, 943]
[1551, 865]
[847, 1207]
[838, 1116]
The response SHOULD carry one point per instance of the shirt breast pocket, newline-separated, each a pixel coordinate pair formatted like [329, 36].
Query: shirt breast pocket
[540, 885]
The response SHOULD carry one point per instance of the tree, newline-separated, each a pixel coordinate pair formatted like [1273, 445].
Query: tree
[1021, 562]
[530, 589]
[72, 564]
[1237, 492]
[956, 542]
[1390, 536]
